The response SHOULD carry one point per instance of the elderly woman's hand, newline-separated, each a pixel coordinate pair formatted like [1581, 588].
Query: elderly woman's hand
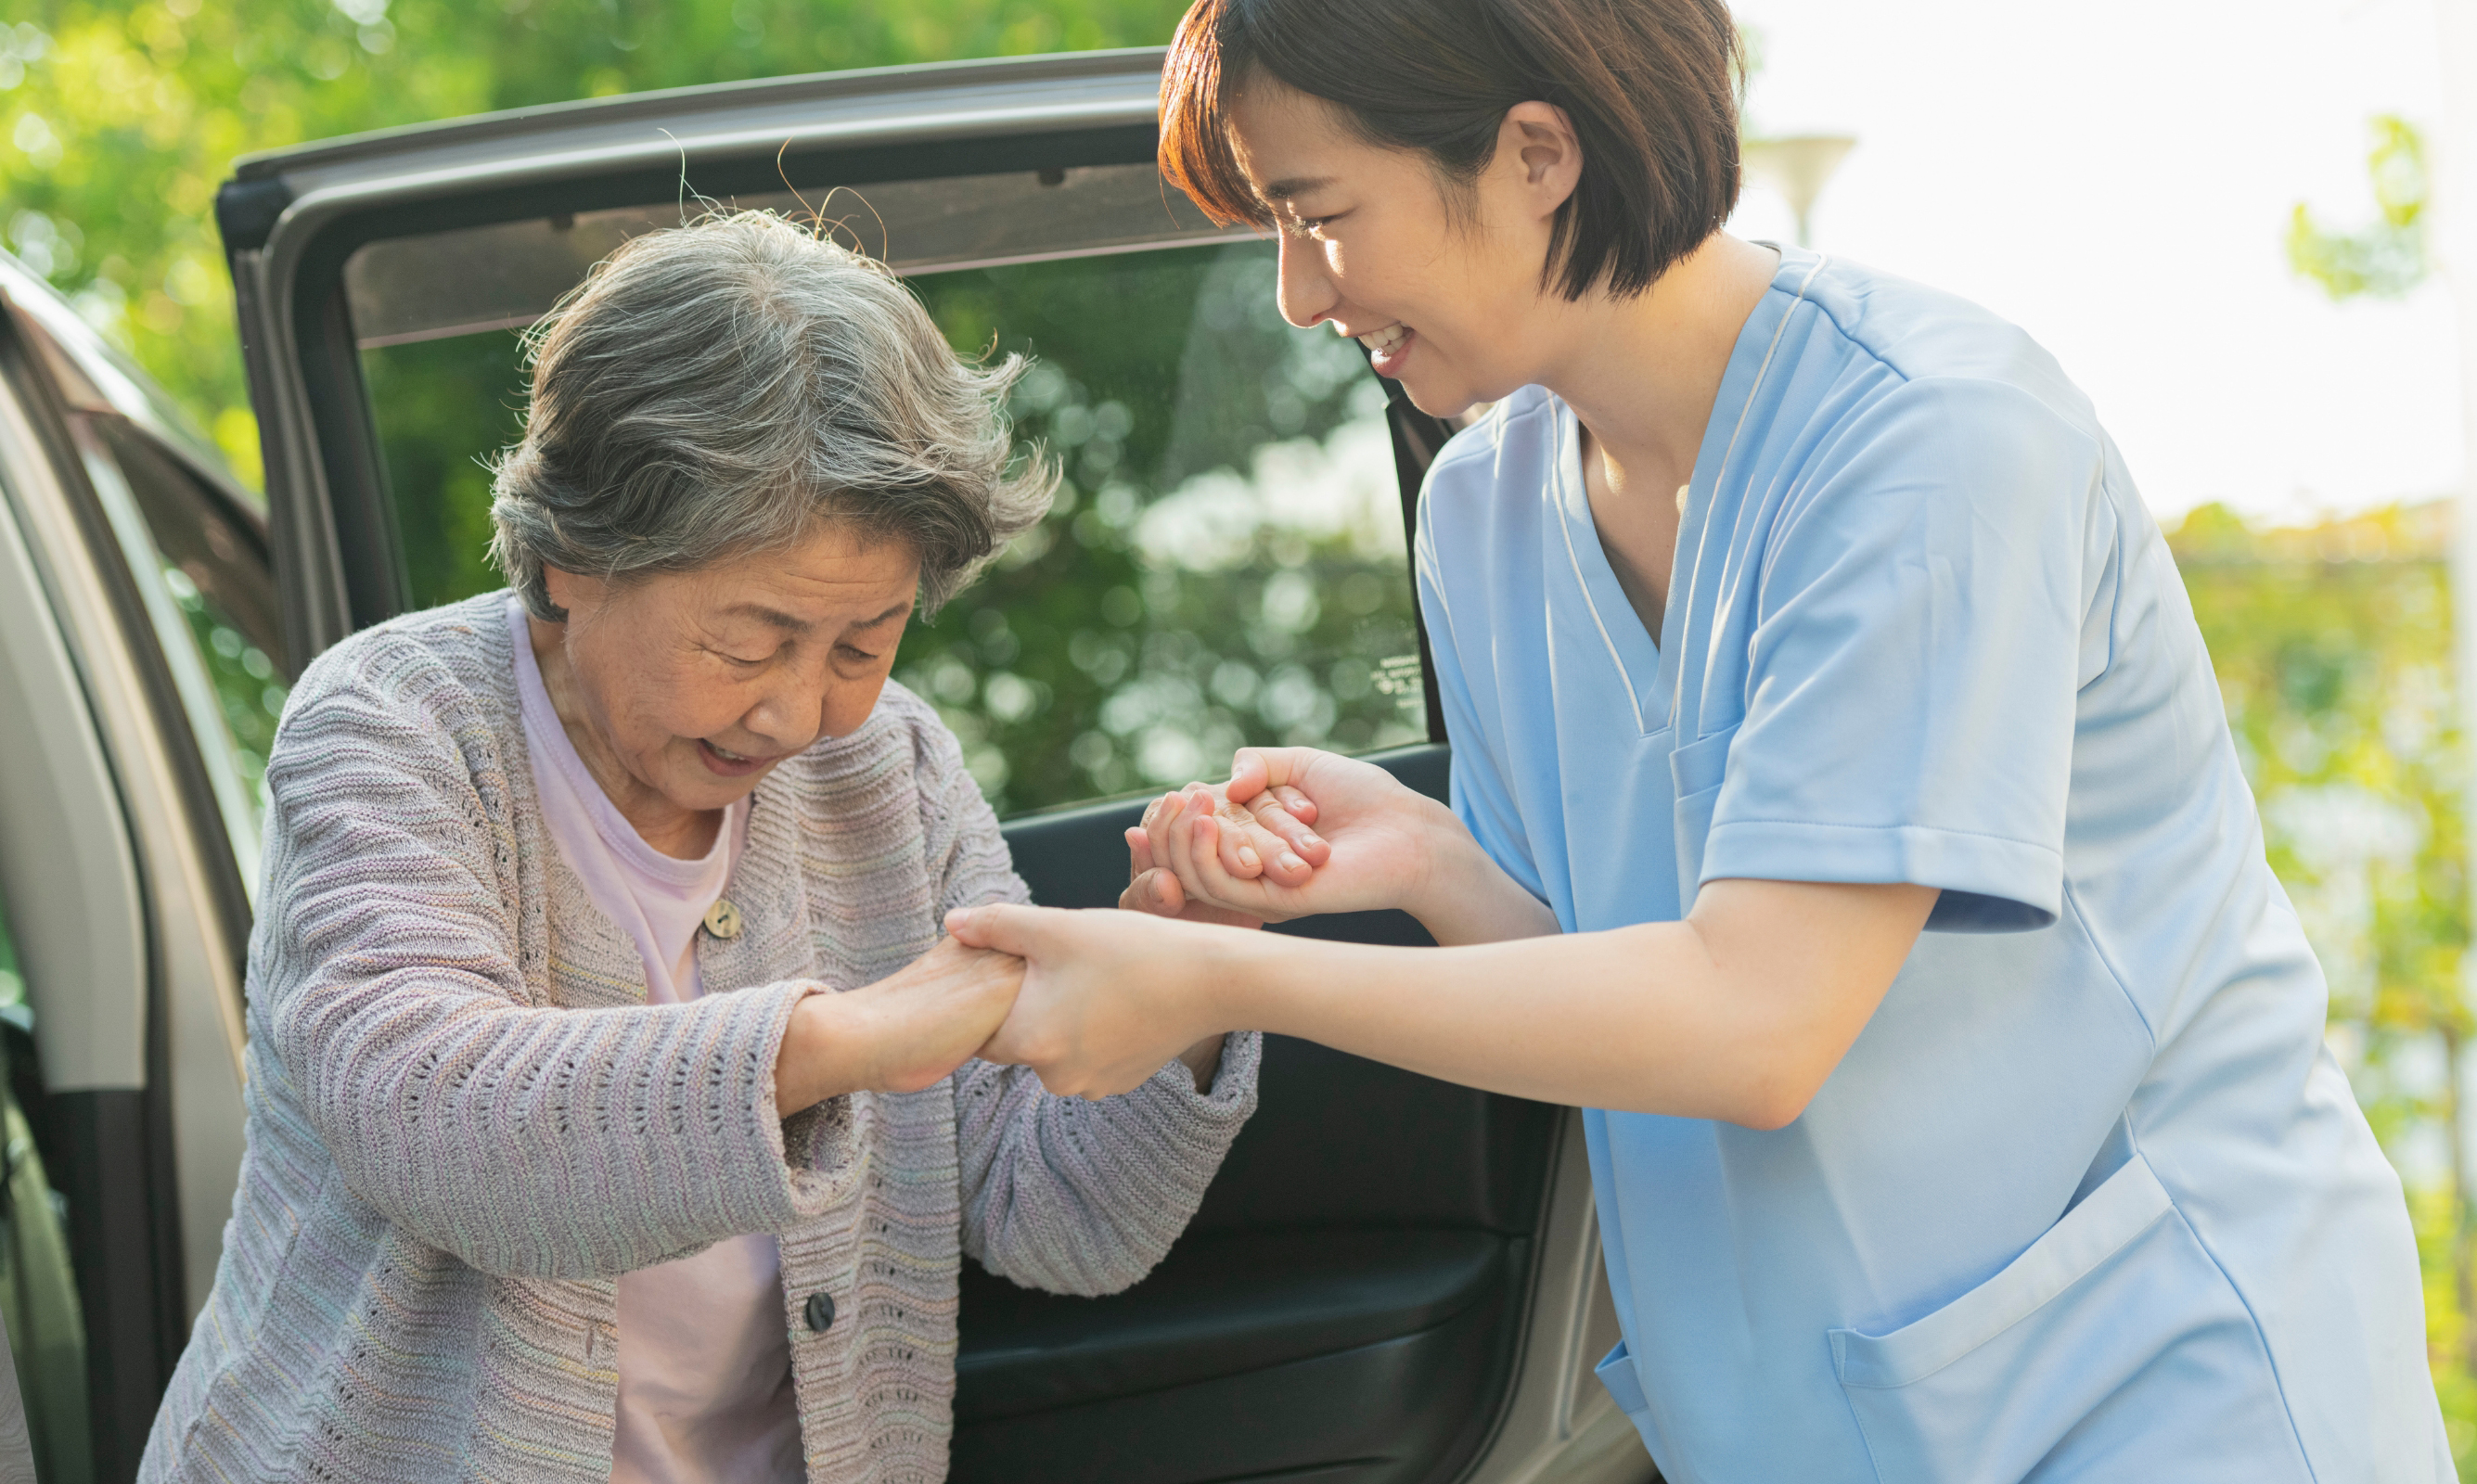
[1266, 837]
[1246, 845]
[900, 1034]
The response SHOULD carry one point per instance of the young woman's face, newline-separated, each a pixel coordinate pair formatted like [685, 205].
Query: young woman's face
[1450, 301]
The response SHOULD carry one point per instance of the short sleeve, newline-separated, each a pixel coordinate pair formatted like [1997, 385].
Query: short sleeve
[1914, 663]
[1479, 795]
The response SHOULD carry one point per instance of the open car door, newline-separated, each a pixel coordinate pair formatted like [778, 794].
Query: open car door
[1392, 1278]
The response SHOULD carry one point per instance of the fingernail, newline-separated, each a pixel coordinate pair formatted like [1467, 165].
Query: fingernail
[1247, 857]
[1293, 862]
[1308, 837]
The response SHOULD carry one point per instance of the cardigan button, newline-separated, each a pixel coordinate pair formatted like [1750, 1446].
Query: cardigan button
[722, 919]
[819, 1311]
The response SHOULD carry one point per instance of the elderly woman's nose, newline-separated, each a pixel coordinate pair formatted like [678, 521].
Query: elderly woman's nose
[792, 713]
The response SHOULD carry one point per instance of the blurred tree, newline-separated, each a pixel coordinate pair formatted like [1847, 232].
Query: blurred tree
[2366, 767]
[118, 120]
[2332, 646]
[2387, 258]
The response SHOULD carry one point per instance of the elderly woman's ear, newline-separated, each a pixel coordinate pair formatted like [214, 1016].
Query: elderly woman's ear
[574, 595]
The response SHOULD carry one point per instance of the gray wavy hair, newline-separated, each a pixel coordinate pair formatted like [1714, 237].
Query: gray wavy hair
[722, 387]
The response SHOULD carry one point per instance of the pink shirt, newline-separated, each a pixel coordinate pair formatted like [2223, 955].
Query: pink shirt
[705, 1355]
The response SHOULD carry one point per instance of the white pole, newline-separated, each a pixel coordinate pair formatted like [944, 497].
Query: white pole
[2451, 238]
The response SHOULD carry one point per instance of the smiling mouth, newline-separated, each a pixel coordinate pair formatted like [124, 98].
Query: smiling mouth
[1388, 340]
[723, 759]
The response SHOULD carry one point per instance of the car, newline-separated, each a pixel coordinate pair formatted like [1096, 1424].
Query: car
[141, 665]
[1393, 1279]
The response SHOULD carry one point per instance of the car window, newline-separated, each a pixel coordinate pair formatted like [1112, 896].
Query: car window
[1225, 563]
[202, 573]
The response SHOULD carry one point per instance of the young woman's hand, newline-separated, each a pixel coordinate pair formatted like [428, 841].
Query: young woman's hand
[900, 1034]
[1154, 890]
[1108, 997]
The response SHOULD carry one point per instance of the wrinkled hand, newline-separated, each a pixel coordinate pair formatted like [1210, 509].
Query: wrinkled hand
[1246, 847]
[1108, 998]
[1155, 888]
[900, 1034]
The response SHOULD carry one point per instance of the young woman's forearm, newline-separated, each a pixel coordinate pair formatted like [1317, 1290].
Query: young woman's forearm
[1629, 1019]
[1467, 898]
[1734, 1014]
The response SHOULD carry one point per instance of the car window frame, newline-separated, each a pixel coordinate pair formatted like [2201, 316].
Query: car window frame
[292, 220]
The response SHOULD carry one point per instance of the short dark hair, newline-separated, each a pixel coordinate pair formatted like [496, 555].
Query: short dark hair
[1651, 87]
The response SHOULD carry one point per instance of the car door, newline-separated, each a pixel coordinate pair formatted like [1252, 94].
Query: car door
[1392, 1278]
[137, 614]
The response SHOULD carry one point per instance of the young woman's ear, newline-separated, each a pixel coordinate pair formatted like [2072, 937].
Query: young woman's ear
[1537, 141]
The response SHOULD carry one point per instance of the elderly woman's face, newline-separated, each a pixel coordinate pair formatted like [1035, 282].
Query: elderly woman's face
[694, 684]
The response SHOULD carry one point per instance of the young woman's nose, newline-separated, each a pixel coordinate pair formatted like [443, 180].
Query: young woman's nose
[1306, 289]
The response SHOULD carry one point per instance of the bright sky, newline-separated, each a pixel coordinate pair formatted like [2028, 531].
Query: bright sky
[2116, 177]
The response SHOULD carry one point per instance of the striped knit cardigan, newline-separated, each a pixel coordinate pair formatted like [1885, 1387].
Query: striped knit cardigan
[466, 1122]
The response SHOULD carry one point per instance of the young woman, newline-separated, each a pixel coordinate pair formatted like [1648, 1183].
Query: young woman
[1843, 813]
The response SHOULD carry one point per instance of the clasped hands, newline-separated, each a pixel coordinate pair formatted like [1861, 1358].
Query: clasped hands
[1097, 1002]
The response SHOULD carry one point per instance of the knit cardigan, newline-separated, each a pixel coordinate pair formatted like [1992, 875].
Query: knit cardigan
[466, 1122]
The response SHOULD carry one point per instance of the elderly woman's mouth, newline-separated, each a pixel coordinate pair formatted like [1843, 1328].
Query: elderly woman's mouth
[731, 764]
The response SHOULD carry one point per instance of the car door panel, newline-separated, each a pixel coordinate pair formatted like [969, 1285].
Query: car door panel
[1368, 1238]
[1404, 1409]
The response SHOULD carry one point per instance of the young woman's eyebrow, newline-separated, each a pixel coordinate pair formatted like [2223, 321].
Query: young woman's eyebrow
[1283, 191]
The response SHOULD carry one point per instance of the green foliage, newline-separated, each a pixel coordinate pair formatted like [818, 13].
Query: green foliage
[2387, 258]
[442, 407]
[2339, 682]
[118, 120]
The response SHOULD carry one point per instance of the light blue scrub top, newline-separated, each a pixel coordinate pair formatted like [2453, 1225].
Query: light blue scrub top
[2088, 1199]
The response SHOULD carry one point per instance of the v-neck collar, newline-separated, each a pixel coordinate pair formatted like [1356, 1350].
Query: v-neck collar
[1647, 666]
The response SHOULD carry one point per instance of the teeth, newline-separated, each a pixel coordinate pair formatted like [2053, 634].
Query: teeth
[726, 753]
[1385, 341]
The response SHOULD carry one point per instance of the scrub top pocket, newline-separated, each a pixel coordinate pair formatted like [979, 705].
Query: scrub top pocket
[2027, 1374]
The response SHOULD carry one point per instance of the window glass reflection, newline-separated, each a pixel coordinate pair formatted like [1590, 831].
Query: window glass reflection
[203, 577]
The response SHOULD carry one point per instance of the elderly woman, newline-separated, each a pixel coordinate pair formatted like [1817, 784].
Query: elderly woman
[613, 1108]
